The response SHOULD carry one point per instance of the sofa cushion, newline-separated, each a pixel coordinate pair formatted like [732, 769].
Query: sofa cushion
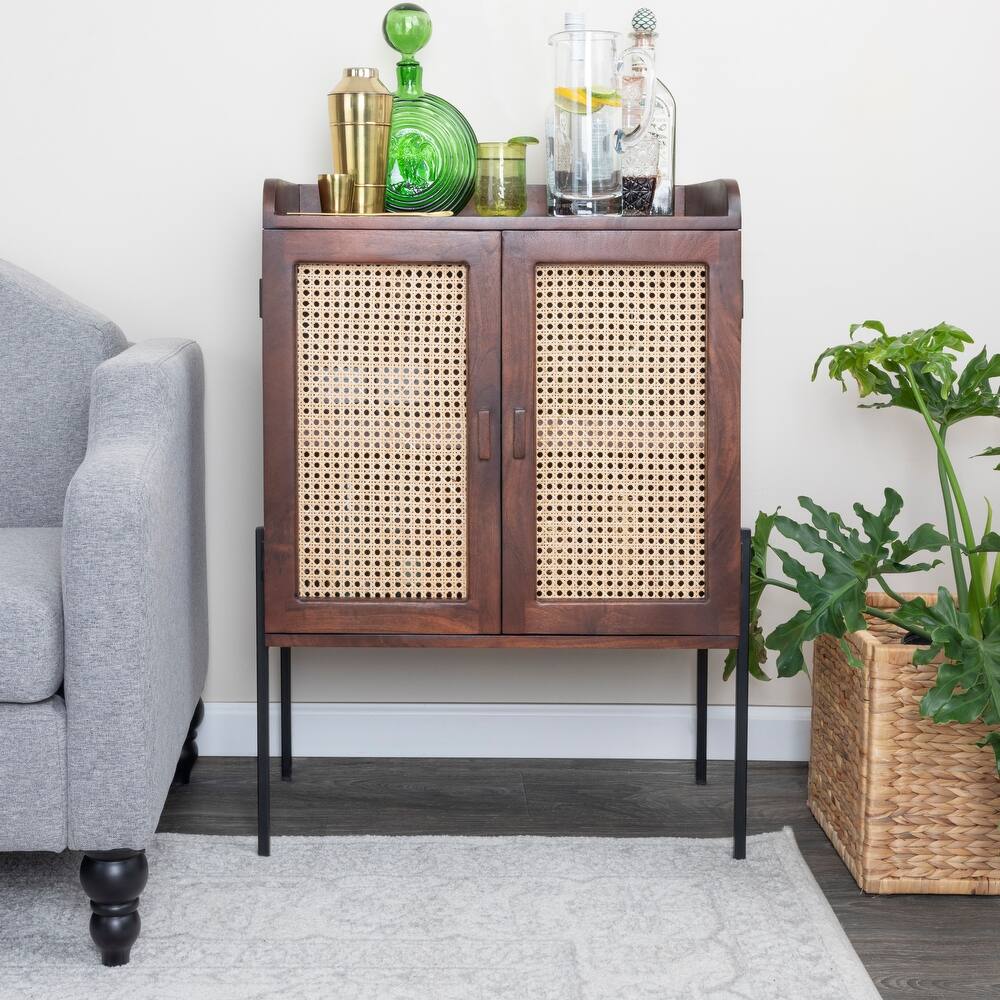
[31, 614]
[33, 777]
[50, 345]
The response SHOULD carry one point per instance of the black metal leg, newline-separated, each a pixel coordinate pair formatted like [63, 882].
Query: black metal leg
[286, 713]
[742, 704]
[701, 721]
[263, 707]
[189, 752]
[114, 881]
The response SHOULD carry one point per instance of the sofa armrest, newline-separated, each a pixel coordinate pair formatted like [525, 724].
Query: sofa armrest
[134, 592]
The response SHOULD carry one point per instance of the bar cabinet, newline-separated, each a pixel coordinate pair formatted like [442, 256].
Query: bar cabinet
[514, 432]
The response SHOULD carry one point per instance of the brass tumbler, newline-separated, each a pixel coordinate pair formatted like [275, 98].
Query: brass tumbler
[360, 112]
[336, 193]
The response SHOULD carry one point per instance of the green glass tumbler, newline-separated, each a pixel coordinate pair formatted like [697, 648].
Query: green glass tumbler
[501, 181]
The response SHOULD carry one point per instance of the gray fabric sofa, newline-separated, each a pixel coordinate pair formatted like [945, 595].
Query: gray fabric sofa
[103, 626]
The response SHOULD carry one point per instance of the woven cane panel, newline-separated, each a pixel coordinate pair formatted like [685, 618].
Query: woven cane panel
[910, 805]
[381, 389]
[620, 431]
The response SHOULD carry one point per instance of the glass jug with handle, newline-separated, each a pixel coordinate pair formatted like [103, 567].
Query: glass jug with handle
[588, 135]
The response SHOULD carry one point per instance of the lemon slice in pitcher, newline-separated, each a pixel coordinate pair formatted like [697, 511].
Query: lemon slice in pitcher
[580, 100]
[573, 99]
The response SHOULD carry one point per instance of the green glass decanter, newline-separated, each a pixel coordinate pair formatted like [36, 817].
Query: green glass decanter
[432, 148]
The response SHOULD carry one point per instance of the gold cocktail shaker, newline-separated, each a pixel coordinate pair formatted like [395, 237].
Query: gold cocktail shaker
[360, 109]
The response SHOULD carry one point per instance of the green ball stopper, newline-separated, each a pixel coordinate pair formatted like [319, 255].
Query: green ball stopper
[407, 28]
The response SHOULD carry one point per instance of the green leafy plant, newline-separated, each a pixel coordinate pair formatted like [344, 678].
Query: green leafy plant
[915, 371]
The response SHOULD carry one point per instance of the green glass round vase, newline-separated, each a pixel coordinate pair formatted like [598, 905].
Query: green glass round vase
[431, 164]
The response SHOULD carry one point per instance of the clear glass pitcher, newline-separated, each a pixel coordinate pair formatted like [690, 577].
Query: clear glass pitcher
[588, 136]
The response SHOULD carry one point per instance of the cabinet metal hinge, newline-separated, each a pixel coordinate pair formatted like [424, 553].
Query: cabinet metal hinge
[260, 297]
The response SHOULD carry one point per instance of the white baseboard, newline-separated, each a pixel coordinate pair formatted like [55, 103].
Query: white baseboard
[660, 732]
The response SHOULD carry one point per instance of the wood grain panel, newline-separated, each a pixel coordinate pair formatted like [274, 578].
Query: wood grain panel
[504, 641]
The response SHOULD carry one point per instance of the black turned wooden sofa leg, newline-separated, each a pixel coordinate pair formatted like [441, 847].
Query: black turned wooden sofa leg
[114, 880]
[189, 752]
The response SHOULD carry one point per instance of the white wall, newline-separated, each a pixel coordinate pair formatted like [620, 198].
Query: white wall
[134, 139]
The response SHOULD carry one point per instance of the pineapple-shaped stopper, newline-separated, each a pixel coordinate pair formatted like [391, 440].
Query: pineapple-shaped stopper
[644, 21]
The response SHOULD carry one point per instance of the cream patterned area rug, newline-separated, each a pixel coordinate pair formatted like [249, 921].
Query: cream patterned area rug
[440, 918]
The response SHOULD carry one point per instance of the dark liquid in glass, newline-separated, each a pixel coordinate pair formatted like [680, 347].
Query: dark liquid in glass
[637, 195]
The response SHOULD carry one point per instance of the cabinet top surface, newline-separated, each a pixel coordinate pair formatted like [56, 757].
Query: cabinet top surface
[710, 205]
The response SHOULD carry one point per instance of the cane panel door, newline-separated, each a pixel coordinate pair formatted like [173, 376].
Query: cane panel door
[621, 433]
[381, 398]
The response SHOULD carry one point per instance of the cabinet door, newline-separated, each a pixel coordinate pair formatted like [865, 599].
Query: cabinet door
[621, 433]
[381, 376]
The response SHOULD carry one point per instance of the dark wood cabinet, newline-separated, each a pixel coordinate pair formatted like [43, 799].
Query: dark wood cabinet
[501, 431]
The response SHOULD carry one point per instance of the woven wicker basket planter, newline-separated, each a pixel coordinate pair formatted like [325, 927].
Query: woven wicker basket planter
[911, 806]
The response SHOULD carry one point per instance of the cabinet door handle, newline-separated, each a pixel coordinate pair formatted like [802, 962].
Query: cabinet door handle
[520, 419]
[483, 434]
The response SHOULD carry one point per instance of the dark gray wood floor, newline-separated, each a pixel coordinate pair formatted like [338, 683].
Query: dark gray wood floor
[927, 947]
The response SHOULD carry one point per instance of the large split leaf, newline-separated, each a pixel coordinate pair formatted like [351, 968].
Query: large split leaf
[974, 395]
[967, 688]
[836, 603]
[851, 558]
[926, 538]
[878, 366]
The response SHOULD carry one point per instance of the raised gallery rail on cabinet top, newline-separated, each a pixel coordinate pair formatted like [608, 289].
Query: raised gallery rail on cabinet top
[710, 205]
